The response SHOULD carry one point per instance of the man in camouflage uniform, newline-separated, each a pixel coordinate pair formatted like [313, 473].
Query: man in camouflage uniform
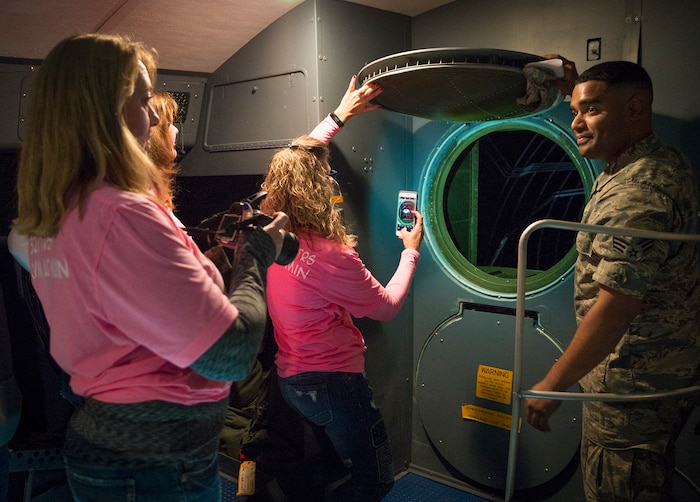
[637, 300]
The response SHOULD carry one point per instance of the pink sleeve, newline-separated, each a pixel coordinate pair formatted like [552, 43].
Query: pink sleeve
[325, 130]
[155, 285]
[397, 289]
[352, 286]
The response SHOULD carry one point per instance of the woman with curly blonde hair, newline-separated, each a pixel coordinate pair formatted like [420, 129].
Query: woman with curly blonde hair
[298, 180]
[311, 301]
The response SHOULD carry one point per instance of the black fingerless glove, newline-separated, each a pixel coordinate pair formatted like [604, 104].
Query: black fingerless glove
[257, 243]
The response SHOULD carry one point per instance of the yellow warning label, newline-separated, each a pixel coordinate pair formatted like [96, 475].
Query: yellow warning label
[494, 384]
[486, 416]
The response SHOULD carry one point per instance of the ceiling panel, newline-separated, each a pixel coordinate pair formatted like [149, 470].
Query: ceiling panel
[190, 35]
[29, 29]
[200, 35]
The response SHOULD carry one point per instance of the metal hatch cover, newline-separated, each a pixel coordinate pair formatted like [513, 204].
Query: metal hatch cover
[464, 395]
[452, 84]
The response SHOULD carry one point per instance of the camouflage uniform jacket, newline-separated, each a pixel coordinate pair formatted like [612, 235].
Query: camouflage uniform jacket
[650, 187]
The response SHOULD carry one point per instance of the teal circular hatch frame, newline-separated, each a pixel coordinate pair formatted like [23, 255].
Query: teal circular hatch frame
[485, 182]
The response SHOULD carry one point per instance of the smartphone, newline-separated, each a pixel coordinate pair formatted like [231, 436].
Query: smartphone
[408, 202]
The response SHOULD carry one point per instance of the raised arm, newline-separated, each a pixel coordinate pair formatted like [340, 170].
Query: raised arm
[354, 102]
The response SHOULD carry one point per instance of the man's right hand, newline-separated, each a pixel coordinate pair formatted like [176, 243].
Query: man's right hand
[566, 83]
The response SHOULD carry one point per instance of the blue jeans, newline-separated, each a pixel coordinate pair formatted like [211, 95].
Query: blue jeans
[340, 406]
[195, 481]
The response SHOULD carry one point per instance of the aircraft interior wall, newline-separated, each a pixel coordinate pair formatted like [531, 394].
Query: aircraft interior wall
[423, 365]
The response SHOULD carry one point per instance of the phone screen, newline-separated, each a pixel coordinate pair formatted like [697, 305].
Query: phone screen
[406, 206]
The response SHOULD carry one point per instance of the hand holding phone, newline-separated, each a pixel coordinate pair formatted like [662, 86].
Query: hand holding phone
[407, 203]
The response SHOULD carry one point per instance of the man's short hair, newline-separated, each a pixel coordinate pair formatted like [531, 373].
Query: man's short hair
[618, 73]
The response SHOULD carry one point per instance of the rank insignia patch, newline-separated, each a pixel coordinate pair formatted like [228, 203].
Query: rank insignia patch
[632, 250]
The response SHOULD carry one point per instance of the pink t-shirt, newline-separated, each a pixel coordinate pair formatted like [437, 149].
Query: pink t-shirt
[312, 300]
[131, 302]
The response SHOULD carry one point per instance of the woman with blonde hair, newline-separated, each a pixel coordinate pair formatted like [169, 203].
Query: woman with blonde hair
[161, 149]
[311, 301]
[138, 316]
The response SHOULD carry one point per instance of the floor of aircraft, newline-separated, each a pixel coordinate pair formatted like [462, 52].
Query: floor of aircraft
[410, 487]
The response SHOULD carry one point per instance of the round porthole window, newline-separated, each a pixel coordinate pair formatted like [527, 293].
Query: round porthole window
[485, 183]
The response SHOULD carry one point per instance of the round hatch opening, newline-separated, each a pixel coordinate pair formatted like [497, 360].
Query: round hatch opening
[485, 183]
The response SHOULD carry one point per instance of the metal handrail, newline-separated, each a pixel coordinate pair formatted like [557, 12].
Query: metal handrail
[518, 394]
